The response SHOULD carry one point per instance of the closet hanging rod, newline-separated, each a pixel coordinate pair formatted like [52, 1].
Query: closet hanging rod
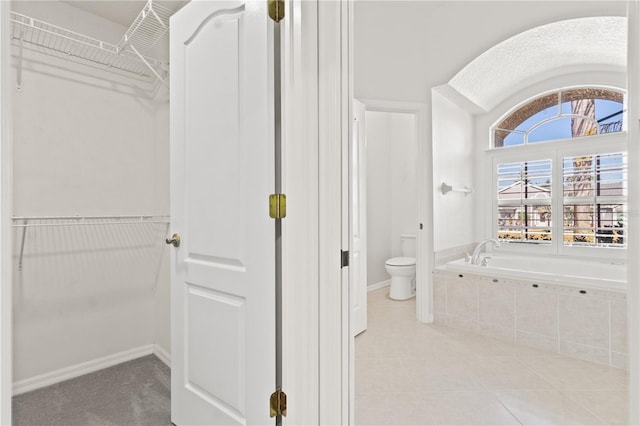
[23, 221]
[47, 221]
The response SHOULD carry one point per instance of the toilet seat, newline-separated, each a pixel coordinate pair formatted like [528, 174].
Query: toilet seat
[401, 261]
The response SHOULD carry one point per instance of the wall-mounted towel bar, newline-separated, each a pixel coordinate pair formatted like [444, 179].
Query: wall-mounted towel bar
[448, 188]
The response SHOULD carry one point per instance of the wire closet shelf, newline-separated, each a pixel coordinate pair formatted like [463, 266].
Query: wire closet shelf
[26, 222]
[150, 26]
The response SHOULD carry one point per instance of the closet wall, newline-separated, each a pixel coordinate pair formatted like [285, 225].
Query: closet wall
[87, 142]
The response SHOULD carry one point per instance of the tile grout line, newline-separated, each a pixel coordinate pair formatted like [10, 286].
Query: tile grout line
[610, 334]
[507, 408]
[558, 322]
[569, 394]
[515, 314]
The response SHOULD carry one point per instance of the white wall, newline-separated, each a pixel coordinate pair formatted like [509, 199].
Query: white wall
[378, 190]
[454, 164]
[391, 193]
[162, 317]
[403, 49]
[403, 178]
[5, 225]
[86, 142]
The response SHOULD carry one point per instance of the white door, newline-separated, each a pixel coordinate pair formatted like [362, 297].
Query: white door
[222, 171]
[358, 261]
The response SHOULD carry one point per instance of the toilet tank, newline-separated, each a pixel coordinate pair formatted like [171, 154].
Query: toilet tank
[408, 245]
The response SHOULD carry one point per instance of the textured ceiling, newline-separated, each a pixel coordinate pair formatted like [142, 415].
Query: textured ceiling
[530, 56]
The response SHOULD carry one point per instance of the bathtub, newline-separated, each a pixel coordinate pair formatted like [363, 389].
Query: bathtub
[597, 274]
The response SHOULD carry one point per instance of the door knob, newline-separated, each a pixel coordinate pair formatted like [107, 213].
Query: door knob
[174, 241]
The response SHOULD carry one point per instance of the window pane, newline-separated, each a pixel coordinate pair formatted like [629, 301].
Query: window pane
[524, 202]
[578, 176]
[609, 115]
[525, 223]
[595, 175]
[602, 110]
[552, 130]
[507, 138]
[518, 117]
[610, 227]
[595, 225]
[524, 180]
[595, 202]
[545, 114]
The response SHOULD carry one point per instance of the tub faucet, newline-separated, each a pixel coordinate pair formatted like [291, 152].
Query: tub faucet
[476, 253]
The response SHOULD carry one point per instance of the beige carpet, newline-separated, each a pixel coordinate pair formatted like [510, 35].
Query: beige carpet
[133, 393]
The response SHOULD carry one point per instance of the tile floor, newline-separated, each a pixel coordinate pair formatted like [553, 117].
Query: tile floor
[418, 374]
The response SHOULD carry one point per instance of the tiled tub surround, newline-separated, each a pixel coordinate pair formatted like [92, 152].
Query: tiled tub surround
[586, 323]
[593, 273]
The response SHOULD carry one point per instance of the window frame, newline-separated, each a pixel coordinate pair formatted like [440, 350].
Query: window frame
[558, 92]
[555, 150]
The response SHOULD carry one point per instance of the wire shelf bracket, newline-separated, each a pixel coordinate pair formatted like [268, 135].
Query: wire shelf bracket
[150, 26]
[20, 58]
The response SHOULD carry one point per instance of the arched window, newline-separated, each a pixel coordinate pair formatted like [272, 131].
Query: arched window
[561, 197]
[563, 114]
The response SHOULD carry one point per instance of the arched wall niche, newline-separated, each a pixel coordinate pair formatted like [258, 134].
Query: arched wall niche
[594, 44]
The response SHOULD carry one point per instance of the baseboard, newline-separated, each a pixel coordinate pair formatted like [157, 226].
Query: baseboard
[70, 372]
[162, 354]
[378, 286]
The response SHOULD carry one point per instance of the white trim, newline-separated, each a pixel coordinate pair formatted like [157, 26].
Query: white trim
[424, 189]
[66, 373]
[333, 320]
[559, 114]
[6, 184]
[347, 114]
[555, 152]
[633, 271]
[378, 286]
[300, 234]
[162, 354]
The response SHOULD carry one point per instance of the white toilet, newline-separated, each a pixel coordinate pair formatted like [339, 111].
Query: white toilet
[403, 269]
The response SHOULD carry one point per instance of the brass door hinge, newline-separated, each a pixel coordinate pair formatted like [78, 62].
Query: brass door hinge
[277, 206]
[278, 404]
[276, 10]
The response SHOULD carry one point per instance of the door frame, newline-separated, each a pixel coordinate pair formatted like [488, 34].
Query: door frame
[300, 232]
[316, 344]
[424, 189]
[346, 30]
[357, 172]
[633, 268]
[6, 246]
